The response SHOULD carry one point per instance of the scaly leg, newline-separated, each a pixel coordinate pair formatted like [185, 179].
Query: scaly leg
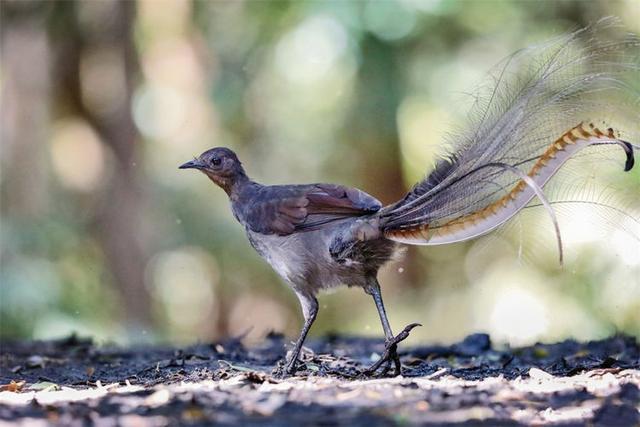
[309, 311]
[390, 353]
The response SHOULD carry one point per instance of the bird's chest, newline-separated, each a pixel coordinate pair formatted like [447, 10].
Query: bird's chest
[301, 259]
[287, 255]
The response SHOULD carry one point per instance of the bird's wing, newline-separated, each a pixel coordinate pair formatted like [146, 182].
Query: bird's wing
[284, 210]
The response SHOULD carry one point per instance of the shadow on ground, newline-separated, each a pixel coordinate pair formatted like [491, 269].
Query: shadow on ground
[74, 382]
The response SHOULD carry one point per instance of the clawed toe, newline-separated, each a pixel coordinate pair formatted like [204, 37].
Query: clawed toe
[284, 369]
[390, 354]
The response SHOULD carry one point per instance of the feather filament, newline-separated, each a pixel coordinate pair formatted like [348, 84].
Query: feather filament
[528, 127]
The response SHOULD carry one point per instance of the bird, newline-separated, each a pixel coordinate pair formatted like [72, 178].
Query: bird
[543, 108]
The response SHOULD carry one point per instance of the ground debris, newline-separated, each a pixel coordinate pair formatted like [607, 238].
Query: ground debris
[74, 382]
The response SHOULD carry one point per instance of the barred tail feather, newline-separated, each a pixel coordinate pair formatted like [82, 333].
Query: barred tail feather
[495, 214]
[524, 134]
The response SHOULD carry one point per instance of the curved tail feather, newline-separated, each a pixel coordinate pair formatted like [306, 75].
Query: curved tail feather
[521, 139]
[495, 214]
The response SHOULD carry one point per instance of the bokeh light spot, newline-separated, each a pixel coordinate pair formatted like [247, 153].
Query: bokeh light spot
[307, 53]
[78, 155]
[103, 81]
[158, 111]
[183, 281]
[518, 316]
[389, 20]
[422, 128]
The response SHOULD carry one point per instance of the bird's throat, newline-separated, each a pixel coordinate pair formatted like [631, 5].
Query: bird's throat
[230, 184]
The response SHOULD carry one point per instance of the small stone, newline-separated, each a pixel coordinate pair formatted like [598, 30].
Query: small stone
[539, 374]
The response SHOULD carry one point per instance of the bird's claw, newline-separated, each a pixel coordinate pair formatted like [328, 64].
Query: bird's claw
[284, 369]
[390, 354]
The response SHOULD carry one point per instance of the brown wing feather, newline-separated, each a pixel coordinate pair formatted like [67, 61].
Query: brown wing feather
[285, 209]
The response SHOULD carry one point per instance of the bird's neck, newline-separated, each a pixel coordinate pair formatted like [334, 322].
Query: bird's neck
[232, 185]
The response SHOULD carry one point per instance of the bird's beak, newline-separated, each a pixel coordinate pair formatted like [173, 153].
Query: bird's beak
[192, 164]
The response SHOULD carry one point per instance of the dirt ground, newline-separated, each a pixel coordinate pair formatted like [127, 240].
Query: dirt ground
[73, 382]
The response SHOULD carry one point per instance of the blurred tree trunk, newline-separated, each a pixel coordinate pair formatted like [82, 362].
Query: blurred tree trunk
[25, 84]
[106, 29]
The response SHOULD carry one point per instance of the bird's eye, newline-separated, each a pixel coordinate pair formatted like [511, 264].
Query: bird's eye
[217, 161]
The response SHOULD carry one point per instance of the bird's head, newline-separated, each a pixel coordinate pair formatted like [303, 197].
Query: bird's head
[221, 165]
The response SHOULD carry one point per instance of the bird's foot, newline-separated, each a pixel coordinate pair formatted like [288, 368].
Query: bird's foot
[284, 368]
[390, 354]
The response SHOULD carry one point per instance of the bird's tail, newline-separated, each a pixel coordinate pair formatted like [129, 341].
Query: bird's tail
[569, 98]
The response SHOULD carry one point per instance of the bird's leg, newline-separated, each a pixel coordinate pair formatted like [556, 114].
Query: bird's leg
[309, 310]
[390, 353]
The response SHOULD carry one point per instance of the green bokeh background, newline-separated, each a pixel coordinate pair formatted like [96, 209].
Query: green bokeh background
[101, 233]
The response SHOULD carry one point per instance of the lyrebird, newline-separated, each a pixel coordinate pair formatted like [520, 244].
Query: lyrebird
[548, 103]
